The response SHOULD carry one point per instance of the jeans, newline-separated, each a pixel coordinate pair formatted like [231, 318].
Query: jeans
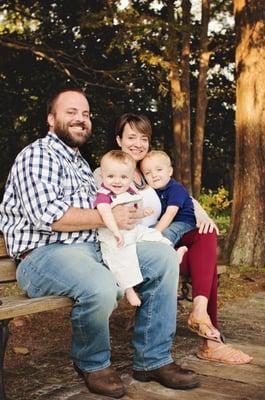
[176, 230]
[76, 271]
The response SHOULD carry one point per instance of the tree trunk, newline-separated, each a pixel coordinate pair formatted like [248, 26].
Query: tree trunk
[180, 93]
[201, 102]
[246, 238]
[185, 86]
[177, 98]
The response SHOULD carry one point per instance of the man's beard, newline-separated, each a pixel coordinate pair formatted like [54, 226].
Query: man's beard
[62, 131]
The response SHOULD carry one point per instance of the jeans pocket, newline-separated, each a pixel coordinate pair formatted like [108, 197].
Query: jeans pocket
[25, 278]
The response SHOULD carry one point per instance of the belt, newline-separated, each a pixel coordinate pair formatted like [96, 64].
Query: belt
[25, 254]
[22, 256]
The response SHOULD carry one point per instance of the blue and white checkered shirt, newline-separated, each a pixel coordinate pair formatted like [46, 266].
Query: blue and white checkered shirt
[46, 179]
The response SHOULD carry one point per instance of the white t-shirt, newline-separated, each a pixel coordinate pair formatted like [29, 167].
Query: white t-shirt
[150, 199]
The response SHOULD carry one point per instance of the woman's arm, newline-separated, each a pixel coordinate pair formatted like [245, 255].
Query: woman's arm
[203, 221]
[167, 218]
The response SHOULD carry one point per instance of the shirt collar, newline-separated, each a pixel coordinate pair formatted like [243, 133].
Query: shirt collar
[61, 147]
[167, 185]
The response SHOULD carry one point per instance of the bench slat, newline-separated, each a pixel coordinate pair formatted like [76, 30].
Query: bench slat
[3, 252]
[7, 270]
[15, 306]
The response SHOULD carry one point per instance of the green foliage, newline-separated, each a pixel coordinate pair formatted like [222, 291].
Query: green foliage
[119, 56]
[218, 206]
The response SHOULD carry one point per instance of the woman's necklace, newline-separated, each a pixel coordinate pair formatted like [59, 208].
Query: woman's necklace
[141, 185]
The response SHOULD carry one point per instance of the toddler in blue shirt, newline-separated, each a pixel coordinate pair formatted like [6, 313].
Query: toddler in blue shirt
[177, 215]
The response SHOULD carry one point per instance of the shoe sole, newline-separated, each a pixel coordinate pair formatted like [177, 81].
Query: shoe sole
[184, 386]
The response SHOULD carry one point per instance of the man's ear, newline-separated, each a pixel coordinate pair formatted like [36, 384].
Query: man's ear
[118, 140]
[50, 120]
[171, 171]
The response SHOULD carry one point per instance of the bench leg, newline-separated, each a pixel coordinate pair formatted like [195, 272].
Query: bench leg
[3, 342]
[185, 290]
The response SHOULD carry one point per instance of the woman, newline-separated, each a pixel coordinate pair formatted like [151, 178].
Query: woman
[133, 134]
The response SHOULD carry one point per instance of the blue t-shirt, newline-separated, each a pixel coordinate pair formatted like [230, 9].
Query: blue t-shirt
[174, 194]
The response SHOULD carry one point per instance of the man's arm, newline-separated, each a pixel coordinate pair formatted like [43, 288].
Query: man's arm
[167, 218]
[77, 219]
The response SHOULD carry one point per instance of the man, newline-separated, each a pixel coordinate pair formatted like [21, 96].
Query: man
[48, 221]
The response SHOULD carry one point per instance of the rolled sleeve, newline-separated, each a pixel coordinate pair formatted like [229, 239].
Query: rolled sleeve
[53, 213]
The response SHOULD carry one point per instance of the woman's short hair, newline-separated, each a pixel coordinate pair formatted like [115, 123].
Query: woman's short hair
[139, 122]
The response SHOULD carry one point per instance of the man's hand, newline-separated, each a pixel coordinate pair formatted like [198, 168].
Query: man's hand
[126, 217]
[206, 225]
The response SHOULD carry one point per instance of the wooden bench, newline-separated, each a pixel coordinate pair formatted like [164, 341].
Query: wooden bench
[15, 306]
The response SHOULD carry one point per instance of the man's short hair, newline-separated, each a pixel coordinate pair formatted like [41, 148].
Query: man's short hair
[52, 100]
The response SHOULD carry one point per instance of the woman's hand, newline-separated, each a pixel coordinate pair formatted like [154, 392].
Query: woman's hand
[126, 217]
[206, 224]
[148, 211]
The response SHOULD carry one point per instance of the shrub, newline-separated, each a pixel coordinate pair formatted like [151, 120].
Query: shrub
[218, 206]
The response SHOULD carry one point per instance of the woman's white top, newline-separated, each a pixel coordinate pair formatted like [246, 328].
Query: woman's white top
[150, 199]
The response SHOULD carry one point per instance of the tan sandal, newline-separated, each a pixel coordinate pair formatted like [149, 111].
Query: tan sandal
[225, 356]
[201, 328]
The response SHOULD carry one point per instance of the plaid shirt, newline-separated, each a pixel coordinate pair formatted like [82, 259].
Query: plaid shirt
[46, 179]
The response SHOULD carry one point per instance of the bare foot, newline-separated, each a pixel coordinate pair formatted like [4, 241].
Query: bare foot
[132, 297]
[180, 252]
[223, 353]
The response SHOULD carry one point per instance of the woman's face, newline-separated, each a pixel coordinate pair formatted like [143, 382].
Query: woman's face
[133, 142]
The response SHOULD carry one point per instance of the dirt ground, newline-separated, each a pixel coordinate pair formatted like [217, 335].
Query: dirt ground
[39, 344]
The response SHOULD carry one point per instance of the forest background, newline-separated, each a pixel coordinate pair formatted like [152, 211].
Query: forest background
[196, 68]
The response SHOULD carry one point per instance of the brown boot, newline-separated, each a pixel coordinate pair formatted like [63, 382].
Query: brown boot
[105, 382]
[171, 376]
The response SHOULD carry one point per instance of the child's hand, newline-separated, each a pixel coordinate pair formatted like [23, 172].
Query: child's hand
[119, 239]
[148, 211]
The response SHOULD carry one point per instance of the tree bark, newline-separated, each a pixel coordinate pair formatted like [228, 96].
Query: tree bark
[185, 85]
[179, 77]
[246, 238]
[201, 101]
[177, 98]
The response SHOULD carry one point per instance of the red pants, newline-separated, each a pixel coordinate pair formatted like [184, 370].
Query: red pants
[200, 264]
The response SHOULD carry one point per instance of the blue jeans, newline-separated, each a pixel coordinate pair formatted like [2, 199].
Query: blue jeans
[176, 230]
[76, 271]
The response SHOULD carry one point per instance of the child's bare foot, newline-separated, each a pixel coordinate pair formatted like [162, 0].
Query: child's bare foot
[132, 297]
[180, 252]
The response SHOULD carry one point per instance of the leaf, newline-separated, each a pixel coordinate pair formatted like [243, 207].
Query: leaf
[21, 350]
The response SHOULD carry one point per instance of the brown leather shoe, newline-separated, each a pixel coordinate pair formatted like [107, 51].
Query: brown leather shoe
[105, 382]
[171, 376]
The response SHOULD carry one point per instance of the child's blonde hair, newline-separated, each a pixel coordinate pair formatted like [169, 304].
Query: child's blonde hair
[156, 153]
[120, 156]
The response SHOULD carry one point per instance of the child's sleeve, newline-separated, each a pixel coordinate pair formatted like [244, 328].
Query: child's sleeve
[102, 198]
[177, 196]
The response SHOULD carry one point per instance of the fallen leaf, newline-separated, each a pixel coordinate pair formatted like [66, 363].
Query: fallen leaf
[21, 350]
